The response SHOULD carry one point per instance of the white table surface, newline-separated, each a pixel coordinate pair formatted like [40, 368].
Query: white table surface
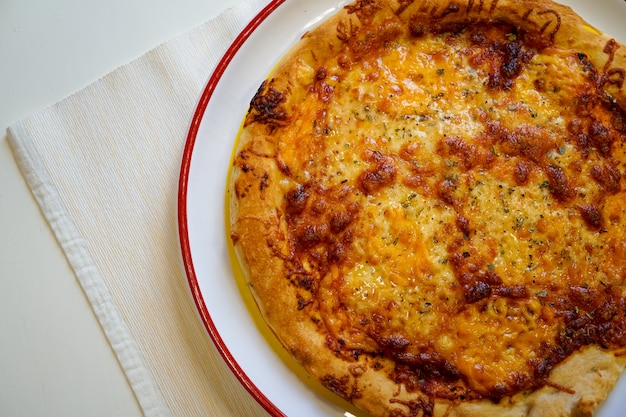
[54, 358]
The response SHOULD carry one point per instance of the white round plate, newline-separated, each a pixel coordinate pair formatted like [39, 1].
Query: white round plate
[228, 313]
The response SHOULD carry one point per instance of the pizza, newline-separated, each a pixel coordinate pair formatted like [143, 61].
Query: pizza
[427, 198]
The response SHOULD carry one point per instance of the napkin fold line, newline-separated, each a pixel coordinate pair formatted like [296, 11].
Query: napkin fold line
[124, 345]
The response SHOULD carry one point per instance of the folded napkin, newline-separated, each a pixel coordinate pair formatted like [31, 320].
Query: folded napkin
[103, 164]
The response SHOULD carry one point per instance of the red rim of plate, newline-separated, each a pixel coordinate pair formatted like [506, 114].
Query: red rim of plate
[182, 208]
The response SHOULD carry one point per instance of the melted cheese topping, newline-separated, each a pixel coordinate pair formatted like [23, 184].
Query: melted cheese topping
[451, 194]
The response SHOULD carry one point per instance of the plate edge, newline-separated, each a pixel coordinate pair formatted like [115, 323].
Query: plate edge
[183, 230]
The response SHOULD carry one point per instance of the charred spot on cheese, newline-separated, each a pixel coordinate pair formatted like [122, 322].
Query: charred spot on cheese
[591, 215]
[608, 176]
[265, 106]
[559, 183]
[296, 200]
[503, 58]
[319, 220]
[339, 221]
[381, 175]
[522, 172]
[470, 155]
[452, 204]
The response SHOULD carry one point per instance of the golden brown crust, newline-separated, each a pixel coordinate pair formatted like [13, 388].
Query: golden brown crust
[261, 206]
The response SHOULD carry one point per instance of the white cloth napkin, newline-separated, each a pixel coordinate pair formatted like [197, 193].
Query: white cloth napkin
[103, 165]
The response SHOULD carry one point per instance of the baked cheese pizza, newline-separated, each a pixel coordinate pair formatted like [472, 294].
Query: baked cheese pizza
[427, 199]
